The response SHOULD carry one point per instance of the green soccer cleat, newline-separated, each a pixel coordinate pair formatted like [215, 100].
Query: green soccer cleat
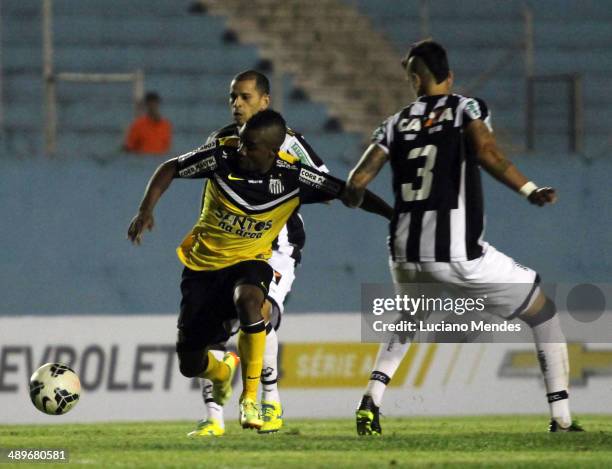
[272, 416]
[208, 427]
[222, 390]
[554, 427]
[367, 418]
[250, 416]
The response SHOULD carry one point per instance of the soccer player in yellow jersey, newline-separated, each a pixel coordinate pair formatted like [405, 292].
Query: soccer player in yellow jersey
[252, 191]
[249, 93]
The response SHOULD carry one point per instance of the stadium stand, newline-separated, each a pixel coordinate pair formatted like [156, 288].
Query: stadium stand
[73, 211]
[185, 58]
[570, 38]
[334, 52]
[177, 51]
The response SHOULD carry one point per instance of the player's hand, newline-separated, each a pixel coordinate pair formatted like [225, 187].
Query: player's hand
[543, 196]
[142, 221]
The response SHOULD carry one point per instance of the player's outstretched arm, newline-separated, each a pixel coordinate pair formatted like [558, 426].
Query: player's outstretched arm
[497, 165]
[318, 187]
[159, 182]
[373, 159]
[373, 204]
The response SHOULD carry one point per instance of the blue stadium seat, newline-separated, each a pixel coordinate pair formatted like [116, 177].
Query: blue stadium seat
[573, 33]
[194, 60]
[182, 55]
[109, 8]
[77, 29]
[89, 184]
[572, 38]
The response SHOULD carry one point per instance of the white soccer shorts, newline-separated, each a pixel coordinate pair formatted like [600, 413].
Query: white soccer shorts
[284, 275]
[509, 287]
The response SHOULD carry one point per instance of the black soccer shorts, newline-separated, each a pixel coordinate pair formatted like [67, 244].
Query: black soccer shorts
[208, 302]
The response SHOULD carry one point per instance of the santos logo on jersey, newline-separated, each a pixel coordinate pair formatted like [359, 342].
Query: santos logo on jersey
[243, 226]
[276, 186]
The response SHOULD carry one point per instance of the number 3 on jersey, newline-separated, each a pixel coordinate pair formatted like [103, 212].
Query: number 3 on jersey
[409, 194]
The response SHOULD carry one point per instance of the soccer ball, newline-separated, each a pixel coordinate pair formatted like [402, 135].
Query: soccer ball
[54, 388]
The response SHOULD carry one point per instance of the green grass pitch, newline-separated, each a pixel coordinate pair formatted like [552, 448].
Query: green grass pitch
[519, 441]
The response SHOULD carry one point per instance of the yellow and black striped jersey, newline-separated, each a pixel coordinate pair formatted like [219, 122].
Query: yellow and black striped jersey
[292, 238]
[244, 212]
[295, 144]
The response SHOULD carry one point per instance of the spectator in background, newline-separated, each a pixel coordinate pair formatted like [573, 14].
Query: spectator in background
[150, 133]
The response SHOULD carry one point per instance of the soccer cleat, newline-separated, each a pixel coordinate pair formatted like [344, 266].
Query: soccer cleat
[554, 427]
[222, 390]
[209, 427]
[367, 418]
[272, 416]
[250, 416]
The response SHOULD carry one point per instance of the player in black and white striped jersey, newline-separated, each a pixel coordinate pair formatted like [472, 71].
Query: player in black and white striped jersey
[435, 147]
[439, 209]
[249, 94]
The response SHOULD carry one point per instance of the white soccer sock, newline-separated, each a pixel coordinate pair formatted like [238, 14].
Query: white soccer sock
[214, 410]
[551, 348]
[387, 362]
[269, 373]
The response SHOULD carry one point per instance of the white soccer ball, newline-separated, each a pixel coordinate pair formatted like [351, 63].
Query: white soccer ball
[55, 388]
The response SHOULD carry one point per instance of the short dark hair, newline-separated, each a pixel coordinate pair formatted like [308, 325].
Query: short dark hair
[433, 56]
[152, 96]
[268, 119]
[261, 81]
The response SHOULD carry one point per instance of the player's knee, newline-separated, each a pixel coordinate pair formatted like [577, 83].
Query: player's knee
[249, 311]
[192, 363]
[541, 315]
[248, 302]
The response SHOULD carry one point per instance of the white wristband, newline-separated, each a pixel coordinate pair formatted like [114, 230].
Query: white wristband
[528, 188]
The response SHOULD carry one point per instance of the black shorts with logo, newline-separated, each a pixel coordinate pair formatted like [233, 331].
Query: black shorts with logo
[207, 302]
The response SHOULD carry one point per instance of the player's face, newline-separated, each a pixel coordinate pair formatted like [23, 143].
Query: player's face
[255, 153]
[245, 100]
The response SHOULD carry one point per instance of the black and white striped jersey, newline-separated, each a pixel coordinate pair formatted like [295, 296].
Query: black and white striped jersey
[292, 237]
[439, 214]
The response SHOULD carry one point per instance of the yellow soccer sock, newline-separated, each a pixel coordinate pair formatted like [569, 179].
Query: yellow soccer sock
[216, 369]
[251, 345]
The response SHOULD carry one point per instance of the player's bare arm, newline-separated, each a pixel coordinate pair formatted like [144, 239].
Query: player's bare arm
[362, 174]
[492, 159]
[157, 185]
